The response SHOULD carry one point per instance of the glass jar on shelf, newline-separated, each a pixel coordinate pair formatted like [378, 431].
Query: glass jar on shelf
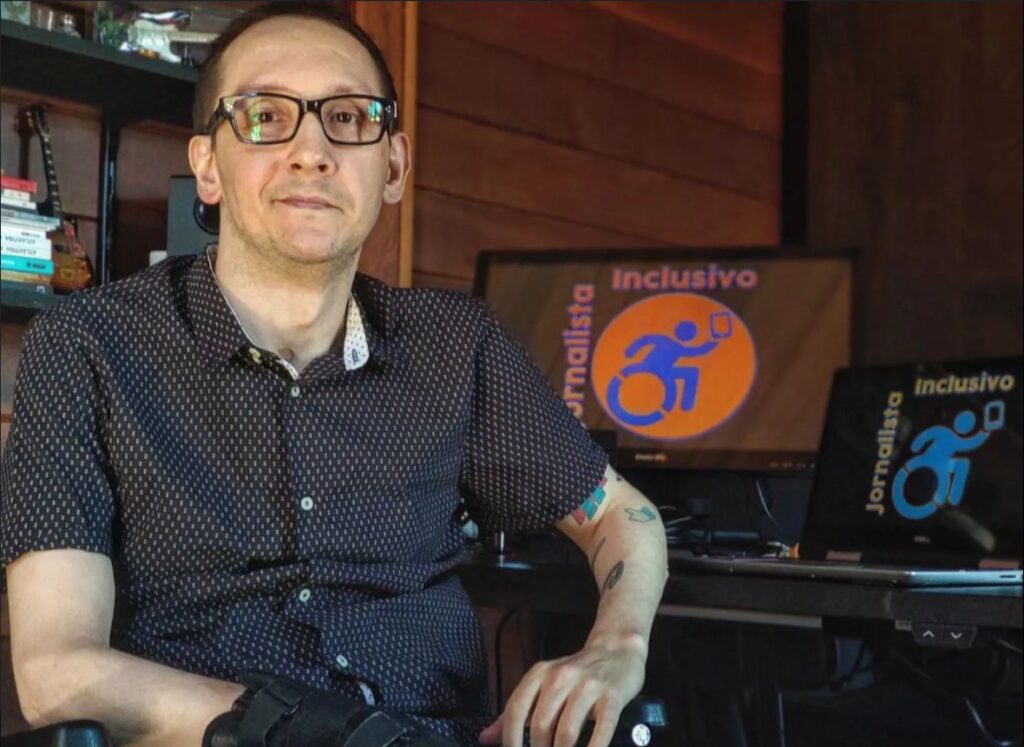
[67, 26]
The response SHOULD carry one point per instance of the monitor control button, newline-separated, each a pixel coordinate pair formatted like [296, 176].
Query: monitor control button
[927, 634]
[958, 636]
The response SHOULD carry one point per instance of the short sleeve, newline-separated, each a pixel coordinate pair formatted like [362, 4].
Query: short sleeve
[55, 492]
[527, 460]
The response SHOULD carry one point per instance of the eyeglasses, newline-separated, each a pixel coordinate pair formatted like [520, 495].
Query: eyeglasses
[272, 118]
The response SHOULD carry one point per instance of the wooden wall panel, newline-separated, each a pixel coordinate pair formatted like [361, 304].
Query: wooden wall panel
[564, 183]
[387, 253]
[430, 280]
[750, 32]
[147, 159]
[992, 233]
[554, 125]
[915, 155]
[452, 230]
[578, 37]
[475, 81]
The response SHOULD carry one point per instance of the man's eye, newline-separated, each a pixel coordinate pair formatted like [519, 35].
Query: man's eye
[345, 117]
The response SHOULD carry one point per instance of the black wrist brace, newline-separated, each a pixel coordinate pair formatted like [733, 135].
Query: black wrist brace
[280, 712]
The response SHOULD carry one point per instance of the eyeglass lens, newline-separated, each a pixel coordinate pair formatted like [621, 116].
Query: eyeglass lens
[272, 119]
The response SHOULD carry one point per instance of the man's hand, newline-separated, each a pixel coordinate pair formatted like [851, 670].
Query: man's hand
[557, 697]
[621, 533]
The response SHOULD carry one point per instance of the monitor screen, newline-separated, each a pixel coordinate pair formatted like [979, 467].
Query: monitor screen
[921, 460]
[700, 359]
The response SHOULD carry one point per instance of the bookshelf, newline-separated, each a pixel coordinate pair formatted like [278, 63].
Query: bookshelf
[126, 88]
[21, 305]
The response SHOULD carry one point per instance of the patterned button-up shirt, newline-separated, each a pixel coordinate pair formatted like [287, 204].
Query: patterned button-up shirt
[300, 523]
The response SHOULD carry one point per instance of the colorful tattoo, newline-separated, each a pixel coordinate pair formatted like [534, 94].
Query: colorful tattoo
[613, 576]
[589, 506]
[642, 514]
[593, 558]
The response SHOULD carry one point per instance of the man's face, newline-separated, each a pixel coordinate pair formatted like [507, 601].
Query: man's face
[253, 183]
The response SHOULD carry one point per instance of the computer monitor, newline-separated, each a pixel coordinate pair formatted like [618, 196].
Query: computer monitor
[703, 359]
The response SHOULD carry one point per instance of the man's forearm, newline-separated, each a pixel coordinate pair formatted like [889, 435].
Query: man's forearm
[629, 558]
[141, 703]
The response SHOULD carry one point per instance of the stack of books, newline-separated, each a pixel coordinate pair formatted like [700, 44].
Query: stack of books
[26, 252]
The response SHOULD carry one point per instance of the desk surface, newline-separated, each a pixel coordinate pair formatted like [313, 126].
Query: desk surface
[513, 581]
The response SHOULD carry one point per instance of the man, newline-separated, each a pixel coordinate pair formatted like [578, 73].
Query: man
[274, 448]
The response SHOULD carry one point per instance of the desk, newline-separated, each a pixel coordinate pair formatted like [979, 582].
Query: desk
[774, 605]
[514, 581]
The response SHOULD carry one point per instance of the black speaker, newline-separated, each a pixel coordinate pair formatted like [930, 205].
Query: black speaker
[191, 223]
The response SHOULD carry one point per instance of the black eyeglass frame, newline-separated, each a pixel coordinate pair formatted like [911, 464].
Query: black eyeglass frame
[224, 104]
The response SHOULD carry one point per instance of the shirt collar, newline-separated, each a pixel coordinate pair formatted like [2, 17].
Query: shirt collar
[221, 337]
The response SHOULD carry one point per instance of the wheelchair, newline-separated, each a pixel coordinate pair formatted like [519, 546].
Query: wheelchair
[642, 719]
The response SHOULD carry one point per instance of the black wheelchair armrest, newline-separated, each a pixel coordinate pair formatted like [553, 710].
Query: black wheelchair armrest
[65, 734]
[642, 712]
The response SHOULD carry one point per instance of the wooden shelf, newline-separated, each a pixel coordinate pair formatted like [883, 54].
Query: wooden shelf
[18, 305]
[128, 88]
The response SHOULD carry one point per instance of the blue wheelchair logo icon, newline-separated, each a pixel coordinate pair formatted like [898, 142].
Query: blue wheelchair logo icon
[660, 361]
[939, 448]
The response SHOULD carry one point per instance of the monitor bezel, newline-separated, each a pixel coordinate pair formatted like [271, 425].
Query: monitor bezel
[819, 541]
[789, 463]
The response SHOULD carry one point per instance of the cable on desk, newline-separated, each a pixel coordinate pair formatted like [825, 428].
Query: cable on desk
[762, 493]
[674, 528]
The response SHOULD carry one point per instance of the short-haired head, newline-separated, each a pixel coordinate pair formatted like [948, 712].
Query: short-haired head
[210, 74]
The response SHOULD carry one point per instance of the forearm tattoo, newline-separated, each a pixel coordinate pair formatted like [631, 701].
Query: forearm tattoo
[642, 514]
[613, 577]
[589, 507]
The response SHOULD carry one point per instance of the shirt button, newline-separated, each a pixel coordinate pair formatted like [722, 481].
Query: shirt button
[304, 595]
[341, 661]
[306, 503]
[296, 391]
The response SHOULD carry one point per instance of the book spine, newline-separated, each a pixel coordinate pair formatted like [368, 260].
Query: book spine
[44, 254]
[11, 214]
[23, 236]
[21, 185]
[11, 202]
[32, 286]
[15, 194]
[22, 264]
[33, 278]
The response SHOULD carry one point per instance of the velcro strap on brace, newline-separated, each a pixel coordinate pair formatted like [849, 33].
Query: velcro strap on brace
[379, 730]
[276, 699]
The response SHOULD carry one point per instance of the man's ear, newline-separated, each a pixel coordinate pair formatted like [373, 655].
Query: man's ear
[203, 162]
[399, 166]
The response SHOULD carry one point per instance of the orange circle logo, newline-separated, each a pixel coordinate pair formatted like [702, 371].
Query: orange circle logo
[674, 366]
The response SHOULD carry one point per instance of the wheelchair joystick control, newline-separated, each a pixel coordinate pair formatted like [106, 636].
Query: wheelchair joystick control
[641, 721]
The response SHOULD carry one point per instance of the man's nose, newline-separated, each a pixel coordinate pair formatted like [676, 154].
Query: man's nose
[310, 147]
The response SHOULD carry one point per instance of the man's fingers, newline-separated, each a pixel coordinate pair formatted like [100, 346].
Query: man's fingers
[607, 718]
[492, 734]
[547, 711]
[574, 716]
[517, 710]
